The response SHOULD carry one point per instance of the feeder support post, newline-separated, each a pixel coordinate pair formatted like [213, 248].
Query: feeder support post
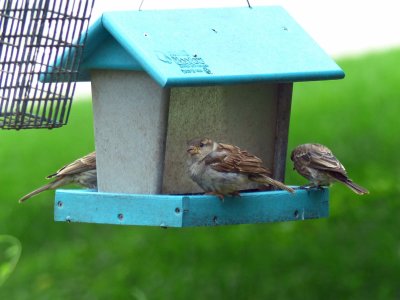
[282, 129]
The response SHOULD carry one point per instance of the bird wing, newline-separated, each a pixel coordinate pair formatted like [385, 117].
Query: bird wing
[83, 164]
[228, 158]
[320, 157]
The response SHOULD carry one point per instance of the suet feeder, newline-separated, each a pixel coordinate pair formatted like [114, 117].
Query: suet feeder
[160, 78]
[32, 35]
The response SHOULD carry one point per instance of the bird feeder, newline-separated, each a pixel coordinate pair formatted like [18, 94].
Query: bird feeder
[32, 35]
[160, 78]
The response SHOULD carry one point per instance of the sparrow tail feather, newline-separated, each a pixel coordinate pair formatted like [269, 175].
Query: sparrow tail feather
[270, 181]
[50, 186]
[355, 187]
[349, 183]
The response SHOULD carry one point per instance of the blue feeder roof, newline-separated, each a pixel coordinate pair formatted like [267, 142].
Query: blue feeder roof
[207, 46]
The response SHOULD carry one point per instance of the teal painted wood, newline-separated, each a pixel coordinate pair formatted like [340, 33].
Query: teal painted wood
[101, 51]
[207, 46]
[189, 210]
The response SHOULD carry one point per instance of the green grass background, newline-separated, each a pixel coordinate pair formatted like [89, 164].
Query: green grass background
[353, 254]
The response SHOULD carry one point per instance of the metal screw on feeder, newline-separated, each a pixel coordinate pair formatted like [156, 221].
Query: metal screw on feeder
[33, 35]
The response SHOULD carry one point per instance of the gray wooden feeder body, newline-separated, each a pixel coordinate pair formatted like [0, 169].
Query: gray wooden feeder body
[156, 123]
[226, 74]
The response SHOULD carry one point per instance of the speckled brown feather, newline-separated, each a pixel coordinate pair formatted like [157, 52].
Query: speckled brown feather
[237, 161]
[315, 156]
[318, 164]
[81, 171]
[206, 155]
[318, 157]
[80, 165]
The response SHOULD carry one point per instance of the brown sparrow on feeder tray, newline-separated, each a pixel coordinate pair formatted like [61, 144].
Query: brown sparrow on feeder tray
[317, 163]
[222, 169]
[81, 171]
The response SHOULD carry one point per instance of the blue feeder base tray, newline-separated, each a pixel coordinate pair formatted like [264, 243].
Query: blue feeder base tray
[189, 210]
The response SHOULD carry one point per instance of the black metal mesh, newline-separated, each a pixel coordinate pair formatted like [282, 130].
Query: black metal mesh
[33, 35]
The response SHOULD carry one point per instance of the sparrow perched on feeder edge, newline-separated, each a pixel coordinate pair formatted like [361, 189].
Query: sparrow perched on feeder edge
[81, 171]
[317, 163]
[222, 169]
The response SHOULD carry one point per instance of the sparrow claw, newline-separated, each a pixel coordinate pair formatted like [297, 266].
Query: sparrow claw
[305, 187]
[322, 187]
[220, 196]
[235, 194]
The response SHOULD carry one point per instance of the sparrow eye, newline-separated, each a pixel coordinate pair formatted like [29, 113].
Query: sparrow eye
[201, 145]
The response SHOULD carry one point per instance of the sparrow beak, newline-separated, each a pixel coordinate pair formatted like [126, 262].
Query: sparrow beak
[192, 150]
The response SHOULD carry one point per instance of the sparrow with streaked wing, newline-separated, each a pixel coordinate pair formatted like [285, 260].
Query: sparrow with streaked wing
[223, 169]
[81, 171]
[317, 163]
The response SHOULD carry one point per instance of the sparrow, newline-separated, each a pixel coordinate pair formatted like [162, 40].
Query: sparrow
[223, 169]
[81, 171]
[317, 163]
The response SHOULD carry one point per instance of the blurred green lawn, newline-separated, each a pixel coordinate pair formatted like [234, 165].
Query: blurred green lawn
[353, 254]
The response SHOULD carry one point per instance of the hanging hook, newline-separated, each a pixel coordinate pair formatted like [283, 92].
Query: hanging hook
[140, 6]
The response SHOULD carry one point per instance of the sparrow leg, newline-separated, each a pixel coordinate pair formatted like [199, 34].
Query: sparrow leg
[235, 194]
[220, 196]
[306, 186]
[264, 188]
[321, 187]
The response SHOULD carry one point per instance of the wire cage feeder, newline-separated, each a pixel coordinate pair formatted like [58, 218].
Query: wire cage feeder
[33, 35]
